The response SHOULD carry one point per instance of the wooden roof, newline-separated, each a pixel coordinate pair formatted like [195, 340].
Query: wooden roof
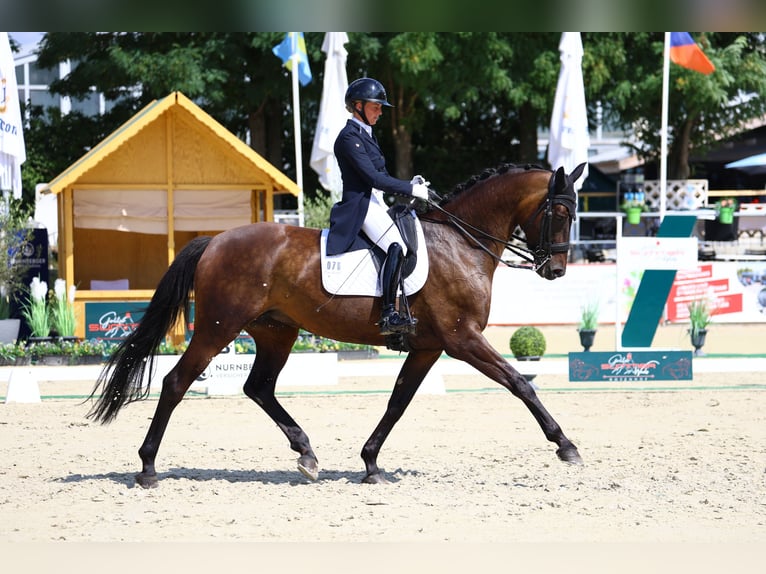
[173, 142]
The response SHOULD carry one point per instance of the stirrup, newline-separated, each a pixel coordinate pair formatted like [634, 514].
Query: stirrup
[394, 323]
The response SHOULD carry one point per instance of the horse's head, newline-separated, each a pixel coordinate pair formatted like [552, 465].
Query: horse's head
[547, 230]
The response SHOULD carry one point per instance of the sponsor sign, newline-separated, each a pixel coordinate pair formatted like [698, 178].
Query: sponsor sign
[112, 320]
[630, 366]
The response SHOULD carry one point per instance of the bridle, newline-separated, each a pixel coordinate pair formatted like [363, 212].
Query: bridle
[545, 249]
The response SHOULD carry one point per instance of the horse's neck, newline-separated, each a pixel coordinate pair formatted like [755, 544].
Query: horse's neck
[499, 205]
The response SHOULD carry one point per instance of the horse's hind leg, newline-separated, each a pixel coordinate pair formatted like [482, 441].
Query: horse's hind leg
[174, 387]
[273, 346]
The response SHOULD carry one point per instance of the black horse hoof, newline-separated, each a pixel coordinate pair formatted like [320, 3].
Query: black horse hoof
[569, 454]
[146, 480]
[308, 467]
[376, 478]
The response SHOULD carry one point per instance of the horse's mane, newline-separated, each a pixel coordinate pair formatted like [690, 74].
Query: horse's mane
[484, 175]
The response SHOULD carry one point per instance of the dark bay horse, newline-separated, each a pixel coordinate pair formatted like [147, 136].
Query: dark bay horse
[264, 278]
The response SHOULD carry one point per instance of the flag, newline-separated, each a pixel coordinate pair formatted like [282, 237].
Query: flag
[294, 43]
[12, 151]
[332, 113]
[569, 139]
[685, 52]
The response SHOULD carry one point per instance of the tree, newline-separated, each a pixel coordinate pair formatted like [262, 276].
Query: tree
[463, 101]
[702, 109]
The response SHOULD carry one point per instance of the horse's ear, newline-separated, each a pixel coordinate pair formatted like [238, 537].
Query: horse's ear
[560, 179]
[577, 172]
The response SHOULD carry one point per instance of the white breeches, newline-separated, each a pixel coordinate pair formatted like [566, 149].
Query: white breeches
[379, 226]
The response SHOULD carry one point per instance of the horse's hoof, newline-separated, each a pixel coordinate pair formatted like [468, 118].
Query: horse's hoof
[376, 478]
[146, 480]
[569, 455]
[308, 467]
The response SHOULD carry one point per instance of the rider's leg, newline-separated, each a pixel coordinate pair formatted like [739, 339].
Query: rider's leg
[379, 227]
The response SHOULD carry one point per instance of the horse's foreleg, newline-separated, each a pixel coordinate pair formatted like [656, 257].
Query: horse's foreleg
[174, 386]
[412, 373]
[479, 353]
[260, 386]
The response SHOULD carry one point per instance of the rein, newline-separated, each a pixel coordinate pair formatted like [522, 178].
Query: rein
[535, 258]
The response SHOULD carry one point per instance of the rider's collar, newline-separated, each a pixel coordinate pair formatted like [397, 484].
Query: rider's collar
[364, 126]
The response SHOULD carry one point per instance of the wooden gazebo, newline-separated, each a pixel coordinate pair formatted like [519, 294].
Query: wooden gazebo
[170, 173]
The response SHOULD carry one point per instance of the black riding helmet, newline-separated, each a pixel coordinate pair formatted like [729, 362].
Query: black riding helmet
[365, 90]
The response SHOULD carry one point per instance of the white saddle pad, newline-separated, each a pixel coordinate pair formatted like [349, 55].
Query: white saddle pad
[354, 273]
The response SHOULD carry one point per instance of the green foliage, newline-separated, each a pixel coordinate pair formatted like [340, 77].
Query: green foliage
[63, 319]
[14, 233]
[35, 310]
[47, 348]
[316, 212]
[589, 316]
[699, 316]
[461, 98]
[168, 348]
[527, 341]
[308, 342]
[10, 353]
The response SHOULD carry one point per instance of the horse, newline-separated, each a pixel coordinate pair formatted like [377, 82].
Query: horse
[265, 278]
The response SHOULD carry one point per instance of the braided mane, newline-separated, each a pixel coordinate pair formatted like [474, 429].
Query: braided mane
[484, 175]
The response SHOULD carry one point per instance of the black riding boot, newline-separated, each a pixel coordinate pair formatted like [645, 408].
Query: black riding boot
[391, 321]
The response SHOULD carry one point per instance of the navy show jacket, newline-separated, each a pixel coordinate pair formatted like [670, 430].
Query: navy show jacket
[363, 167]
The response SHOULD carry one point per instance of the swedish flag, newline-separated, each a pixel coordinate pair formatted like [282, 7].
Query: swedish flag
[294, 42]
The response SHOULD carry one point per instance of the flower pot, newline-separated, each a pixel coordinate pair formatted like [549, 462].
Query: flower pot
[89, 360]
[587, 336]
[528, 376]
[53, 360]
[634, 215]
[726, 215]
[698, 341]
[9, 330]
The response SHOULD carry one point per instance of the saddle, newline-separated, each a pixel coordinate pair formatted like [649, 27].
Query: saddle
[357, 271]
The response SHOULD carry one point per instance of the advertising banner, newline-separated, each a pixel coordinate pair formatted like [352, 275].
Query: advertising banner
[112, 320]
[625, 366]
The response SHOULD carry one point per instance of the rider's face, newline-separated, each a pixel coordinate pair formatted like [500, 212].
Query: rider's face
[373, 110]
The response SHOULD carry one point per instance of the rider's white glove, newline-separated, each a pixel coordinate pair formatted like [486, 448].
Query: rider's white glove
[419, 179]
[420, 190]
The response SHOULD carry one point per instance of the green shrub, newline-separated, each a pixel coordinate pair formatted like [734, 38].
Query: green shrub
[527, 341]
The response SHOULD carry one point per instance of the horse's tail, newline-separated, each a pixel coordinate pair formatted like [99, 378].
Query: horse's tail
[123, 374]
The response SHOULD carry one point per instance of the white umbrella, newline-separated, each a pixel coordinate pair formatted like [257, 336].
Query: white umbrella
[12, 151]
[332, 114]
[569, 138]
[751, 164]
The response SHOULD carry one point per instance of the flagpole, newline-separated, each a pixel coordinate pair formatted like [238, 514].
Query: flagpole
[295, 58]
[664, 127]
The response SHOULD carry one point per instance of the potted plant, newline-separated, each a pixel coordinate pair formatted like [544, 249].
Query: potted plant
[633, 205]
[89, 351]
[35, 311]
[50, 353]
[62, 316]
[699, 319]
[14, 235]
[528, 344]
[588, 324]
[725, 209]
[9, 353]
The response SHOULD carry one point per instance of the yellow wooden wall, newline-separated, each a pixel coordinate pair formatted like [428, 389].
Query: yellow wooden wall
[108, 255]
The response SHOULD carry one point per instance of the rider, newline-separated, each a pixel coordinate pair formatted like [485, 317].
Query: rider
[365, 178]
